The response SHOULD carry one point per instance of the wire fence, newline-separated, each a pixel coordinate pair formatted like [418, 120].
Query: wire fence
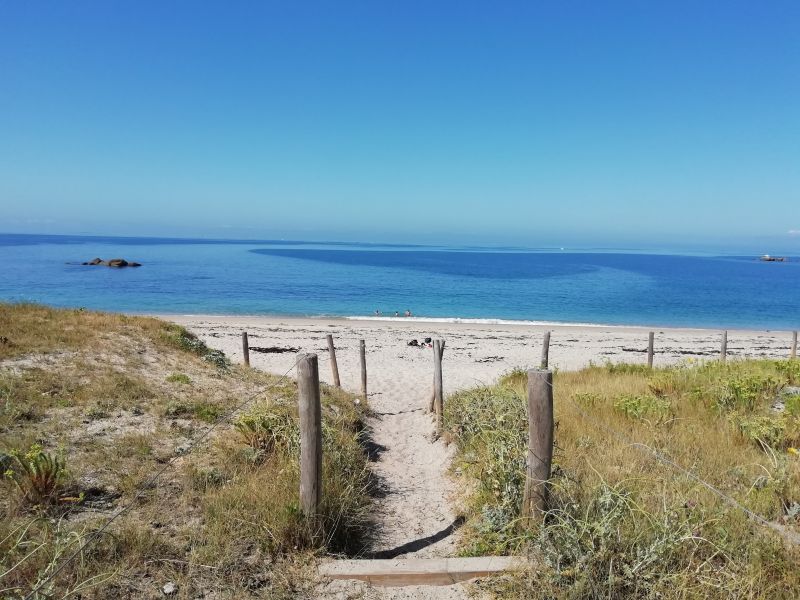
[227, 416]
[151, 481]
[787, 534]
[784, 532]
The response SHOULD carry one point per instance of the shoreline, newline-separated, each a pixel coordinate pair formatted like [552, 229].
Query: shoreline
[475, 351]
[455, 323]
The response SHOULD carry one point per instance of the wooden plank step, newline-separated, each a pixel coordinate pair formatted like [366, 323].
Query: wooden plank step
[420, 571]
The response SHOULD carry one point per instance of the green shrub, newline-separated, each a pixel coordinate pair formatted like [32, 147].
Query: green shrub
[790, 369]
[202, 479]
[179, 337]
[602, 544]
[734, 385]
[218, 359]
[792, 405]
[745, 391]
[589, 399]
[204, 411]
[638, 406]
[664, 382]
[270, 428]
[491, 426]
[627, 368]
[40, 477]
[776, 431]
[765, 430]
[98, 411]
[515, 378]
[271, 432]
[179, 378]
[621, 523]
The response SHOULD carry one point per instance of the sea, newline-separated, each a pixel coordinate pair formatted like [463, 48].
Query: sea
[435, 283]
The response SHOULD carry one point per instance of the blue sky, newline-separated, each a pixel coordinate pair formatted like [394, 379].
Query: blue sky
[532, 122]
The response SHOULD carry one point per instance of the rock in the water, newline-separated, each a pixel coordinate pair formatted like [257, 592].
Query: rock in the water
[117, 263]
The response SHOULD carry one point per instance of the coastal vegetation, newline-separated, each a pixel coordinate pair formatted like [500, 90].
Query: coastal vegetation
[104, 415]
[629, 512]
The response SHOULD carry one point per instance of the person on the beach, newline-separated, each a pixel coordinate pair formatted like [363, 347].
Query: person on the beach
[408, 313]
[397, 313]
[377, 312]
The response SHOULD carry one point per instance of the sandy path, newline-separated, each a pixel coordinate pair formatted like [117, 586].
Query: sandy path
[420, 498]
[415, 511]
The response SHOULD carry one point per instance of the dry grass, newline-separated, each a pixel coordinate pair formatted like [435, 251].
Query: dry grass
[623, 524]
[116, 398]
[34, 329]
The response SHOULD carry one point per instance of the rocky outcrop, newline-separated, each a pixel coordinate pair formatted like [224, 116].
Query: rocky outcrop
[117, 263]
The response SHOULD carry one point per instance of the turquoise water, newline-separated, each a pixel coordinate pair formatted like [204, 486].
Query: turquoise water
[295, 278]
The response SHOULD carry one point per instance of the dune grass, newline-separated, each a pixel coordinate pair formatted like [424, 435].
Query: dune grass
[621, 523]
[93, 404]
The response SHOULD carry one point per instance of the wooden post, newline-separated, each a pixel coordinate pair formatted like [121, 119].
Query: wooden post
[437, 384]
[245, 349]
[545, 350]
[794, 345]
[540, 441]
[362, 349]
[334, 366]
[650, 340]
[723, 350]
[310, 434]
[432, 405]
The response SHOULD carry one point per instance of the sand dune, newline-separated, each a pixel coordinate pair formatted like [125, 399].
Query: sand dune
[420, 503]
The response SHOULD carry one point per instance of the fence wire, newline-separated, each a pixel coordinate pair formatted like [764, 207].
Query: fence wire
[785, 533]
[92, 538]
[95, 535]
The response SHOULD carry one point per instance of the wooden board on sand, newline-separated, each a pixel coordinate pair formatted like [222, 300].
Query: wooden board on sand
[420, 571]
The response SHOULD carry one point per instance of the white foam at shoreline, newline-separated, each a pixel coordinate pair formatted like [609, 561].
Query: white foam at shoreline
[469, 321]
[273, 317]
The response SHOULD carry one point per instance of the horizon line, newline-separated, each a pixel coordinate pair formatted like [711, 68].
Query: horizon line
[570, 248]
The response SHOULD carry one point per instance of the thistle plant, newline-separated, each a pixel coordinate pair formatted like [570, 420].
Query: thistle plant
[40, 477]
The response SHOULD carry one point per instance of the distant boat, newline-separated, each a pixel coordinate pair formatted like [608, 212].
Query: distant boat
[768, 258]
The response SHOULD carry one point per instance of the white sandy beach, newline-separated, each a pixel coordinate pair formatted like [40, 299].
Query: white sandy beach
[421, 501]
[475, 353]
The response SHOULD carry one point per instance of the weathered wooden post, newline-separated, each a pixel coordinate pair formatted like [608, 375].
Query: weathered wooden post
[794, 345]
[650, 343]
[540, 441]
[334, 366]
[432, 405]
[362, 349]
[437, 384]
[245, 349]
[545, 350]
[310, 434]
[723, 351]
